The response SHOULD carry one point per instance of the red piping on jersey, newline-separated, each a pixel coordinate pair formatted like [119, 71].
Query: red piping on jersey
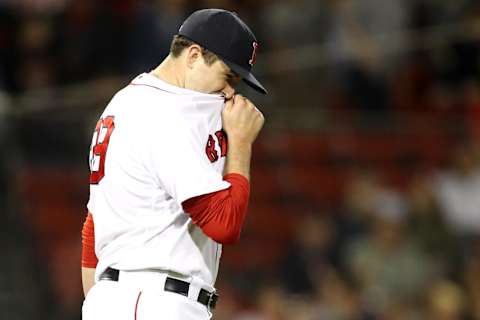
[221, 214]
[136, 305]
[147, 85]
[89, 259]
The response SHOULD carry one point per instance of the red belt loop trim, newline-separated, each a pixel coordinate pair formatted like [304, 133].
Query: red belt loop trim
[136, 304]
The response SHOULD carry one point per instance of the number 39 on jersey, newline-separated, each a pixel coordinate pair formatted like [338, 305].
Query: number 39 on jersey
[98, 148]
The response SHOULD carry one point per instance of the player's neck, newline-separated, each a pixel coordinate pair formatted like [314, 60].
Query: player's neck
[168, 71]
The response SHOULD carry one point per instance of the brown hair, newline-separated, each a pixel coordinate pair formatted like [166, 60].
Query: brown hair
[180, 43]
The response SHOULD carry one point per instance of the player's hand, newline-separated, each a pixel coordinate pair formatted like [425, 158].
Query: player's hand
[242, 121]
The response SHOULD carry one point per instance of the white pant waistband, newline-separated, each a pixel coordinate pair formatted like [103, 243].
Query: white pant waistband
[154, 279]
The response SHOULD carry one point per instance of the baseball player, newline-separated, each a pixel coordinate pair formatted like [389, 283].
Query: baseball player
[169, 183]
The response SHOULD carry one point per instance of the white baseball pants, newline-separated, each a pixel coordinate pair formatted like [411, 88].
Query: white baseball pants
[140, 296]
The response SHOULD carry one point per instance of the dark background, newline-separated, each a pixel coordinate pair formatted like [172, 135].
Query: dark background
[365, 180]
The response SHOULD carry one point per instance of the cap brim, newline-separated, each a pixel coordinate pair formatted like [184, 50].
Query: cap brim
[247, 77]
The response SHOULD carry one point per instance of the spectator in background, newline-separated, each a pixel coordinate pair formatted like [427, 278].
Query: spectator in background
[427, 226]
[368, 33]
[365, 41]
[100, 39]
[412, 90]
[389, 267]
[445, 58]
[169, 16]
[292, 23]
[457, 190]
[287, 25]
[138, 33]
[471, 279]
[270, 304]
[81, 44]
[357, 206]
[464, 47]
[310, 255]
[35, 69]
[337, 299]
[446, 301]
[147, 30]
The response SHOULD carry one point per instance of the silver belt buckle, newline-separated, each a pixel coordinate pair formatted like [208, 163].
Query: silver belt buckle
[212, 300]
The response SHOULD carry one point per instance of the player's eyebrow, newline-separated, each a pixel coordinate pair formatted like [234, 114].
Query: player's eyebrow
[232, 75]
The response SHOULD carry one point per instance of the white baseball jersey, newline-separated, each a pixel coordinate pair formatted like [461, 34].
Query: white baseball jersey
[155, 146]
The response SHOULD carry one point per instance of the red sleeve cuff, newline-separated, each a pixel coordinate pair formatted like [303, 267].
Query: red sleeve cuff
[221, 214]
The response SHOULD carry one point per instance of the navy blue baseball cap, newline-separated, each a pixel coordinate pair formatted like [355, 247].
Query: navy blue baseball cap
[226, 35]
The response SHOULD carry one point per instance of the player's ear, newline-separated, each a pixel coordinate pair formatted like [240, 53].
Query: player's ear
[194, 54]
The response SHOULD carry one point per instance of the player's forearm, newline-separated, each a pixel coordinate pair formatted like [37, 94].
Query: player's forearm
[241, 122]
[88, 279]
[238, 158]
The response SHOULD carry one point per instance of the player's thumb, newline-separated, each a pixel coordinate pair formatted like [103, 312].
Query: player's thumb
[228, 105]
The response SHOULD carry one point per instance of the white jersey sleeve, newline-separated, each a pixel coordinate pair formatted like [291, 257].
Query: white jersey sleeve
[179, 158]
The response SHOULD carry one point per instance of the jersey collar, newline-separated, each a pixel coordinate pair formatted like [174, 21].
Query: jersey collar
[152, 81]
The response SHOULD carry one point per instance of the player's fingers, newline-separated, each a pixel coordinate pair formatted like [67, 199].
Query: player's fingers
[261, 117]
[250, 104]
[239, 100]
[229, 104]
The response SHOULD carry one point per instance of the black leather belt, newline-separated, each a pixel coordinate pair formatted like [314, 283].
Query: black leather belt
[208, 299]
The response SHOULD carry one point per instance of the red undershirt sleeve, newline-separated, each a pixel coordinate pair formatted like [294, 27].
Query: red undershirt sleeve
[221, 214]
[89, 259]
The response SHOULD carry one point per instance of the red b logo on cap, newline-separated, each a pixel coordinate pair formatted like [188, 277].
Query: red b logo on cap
[254, 54]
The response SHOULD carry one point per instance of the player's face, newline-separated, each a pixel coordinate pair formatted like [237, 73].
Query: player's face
[216, 78]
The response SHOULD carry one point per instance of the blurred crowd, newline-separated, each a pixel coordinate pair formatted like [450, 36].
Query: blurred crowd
[383, 252]
[386, 232]
[365, 43]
